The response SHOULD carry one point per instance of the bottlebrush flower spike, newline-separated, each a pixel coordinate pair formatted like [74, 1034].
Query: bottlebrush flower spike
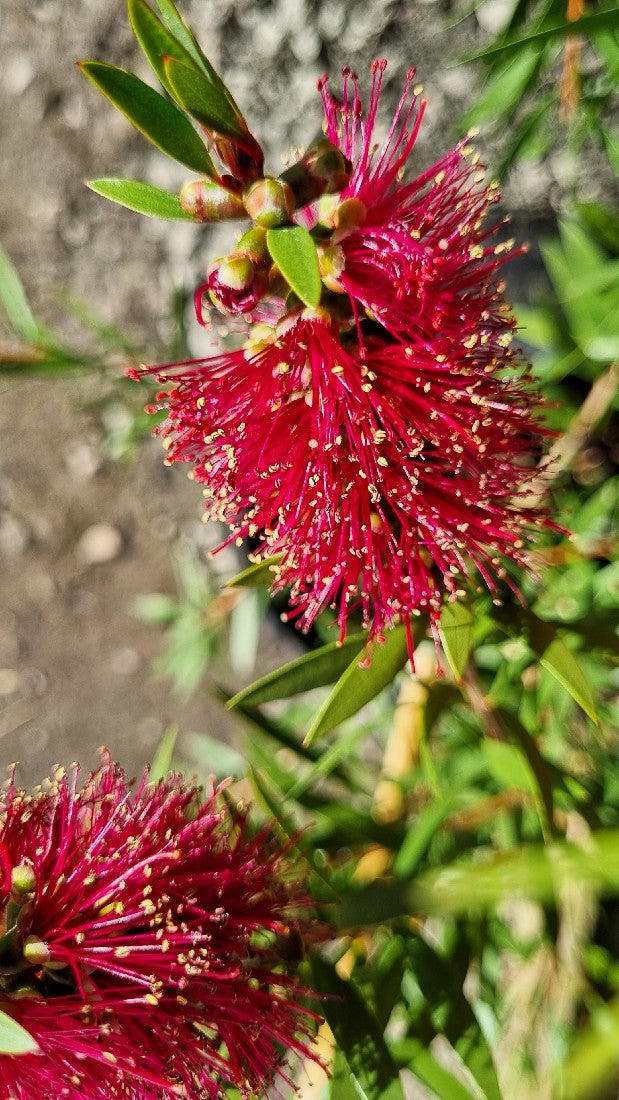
[380, 444]
[140, 945]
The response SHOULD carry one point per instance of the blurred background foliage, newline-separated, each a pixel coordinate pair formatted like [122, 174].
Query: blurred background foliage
[460, 825]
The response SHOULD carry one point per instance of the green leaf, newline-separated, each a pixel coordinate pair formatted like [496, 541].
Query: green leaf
[156, 40]
[327, 762]
[14, 1039]
[162, 760]
[158, 119]
[456, 632]
[603, 221]
[15, 302]
[565, 667]
[589, 24]
[358, 1035]
[591, 1064]
[509, 767]
[203, 100]
[357, 686]
[536, 871]
[257, 575]
[421, 831]
[141, 197]
[321, 666]
[179, 29]
[293, 250]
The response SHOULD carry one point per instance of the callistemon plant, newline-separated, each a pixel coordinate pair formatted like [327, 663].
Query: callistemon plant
[140, 951]
[373, 431]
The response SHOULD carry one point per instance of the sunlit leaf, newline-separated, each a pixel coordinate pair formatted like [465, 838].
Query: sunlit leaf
[532, 872]
[155, 39]
[260, 574]
[565, 667]
[293, 250]
[14, 1039]
[588, 24]
[141, 197]
[456, 631]
[177, 26]
[321, 666]
[158, 119]
[358, 1035]
[162, 759]
[203, 100]
[15, 302]
[358, 685]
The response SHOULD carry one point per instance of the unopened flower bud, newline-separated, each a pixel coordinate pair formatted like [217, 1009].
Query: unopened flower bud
[35, 951]
[209, 202]
[345, 216]
[331, 261]
[254, 244]
[270, 202]
[235, 283]
[23, 879]
[323, 169]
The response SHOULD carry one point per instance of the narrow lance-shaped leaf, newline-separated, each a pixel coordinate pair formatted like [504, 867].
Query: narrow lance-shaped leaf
[156, 40]
[141, 197]
[15, 302]
[293, 250]
[204, 101]
[456, 631]
[588, 24]
[321, 666]
[565, 667]
[357, 686]
[177, 26]
[158, 119]
[257, 575]
[358, 1035]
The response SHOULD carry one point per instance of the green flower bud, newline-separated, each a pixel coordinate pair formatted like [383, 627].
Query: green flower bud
[35, 951]
[270, 202]
[23, 879]
[209, 202]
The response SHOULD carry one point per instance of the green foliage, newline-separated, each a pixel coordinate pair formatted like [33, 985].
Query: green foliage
[141, 197]
[524, 98]
[294, 251]
[14, 1039]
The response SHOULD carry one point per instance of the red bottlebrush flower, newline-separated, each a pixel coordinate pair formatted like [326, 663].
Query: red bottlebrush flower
[140, 949]
[378, 446]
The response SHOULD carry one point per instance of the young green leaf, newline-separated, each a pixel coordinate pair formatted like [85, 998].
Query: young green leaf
[358, 1035]
[14, 1039]
[357, 686]
[321, 666]
[156, 40]
[257, 575]
[141, 197]
[13, 298]
[293, 250]
[588, 24]
[162, 760]
[158, 119]
[565, 667]
[177, 27]
[203, 100]
[456, 631]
